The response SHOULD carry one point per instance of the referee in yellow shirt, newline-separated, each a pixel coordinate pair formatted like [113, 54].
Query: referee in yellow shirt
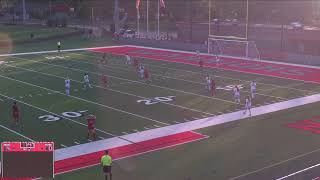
[106, 161]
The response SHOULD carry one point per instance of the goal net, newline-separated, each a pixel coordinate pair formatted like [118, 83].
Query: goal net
[236, 48]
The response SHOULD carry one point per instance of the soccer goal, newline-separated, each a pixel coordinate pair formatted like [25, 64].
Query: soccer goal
[236, 48]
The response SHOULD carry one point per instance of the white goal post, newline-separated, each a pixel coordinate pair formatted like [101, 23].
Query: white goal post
[231, 47]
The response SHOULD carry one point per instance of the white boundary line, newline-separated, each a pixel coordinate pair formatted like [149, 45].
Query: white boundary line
[93, 48]
[183, 127]
[229, 69]
[233, 57]
[17, 133]
[194, 72]
[285, 177]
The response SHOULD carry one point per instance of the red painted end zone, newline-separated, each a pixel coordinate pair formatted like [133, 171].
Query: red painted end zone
[87, 160]
[294, 72]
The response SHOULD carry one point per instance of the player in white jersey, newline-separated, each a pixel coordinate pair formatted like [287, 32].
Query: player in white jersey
[128, 60]
[198, 54]
[86, 81]
[236, 92]
[253, 88]
[248, 106]
[208, 81]
[68, 86]
[141, 71]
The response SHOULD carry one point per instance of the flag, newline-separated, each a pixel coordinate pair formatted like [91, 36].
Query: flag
[162, 3]
[137, 4]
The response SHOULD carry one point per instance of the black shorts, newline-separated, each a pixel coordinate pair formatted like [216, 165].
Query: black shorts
[107, 169]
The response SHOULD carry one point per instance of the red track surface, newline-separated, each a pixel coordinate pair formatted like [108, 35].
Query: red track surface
[234, 64]
[126, 151]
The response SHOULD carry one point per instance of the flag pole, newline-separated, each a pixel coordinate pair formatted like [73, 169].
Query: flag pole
[158, 18]
[138, 21]
[147, 18]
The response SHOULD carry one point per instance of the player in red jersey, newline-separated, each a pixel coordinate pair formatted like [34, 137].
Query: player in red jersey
[104, 59]
[213, 87]
[91, 120]
[146, 74]
[15, 113]
[136, 64]
[104, 80]
[200, 63]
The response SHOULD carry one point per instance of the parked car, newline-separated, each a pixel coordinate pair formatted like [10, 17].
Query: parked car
[296, 25]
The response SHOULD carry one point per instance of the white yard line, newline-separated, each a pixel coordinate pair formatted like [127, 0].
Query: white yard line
[4, 127]
[168, 77]
[85, 100]
[41, 109]
[182, 127]
[117, 91]
[138, 82]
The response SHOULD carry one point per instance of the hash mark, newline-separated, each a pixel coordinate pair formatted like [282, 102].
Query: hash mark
[63, 145]
[83, 111]
[101, 137]
[146, 128]
[156, 125]
[124, 133]
[135, 130]
[76, 142]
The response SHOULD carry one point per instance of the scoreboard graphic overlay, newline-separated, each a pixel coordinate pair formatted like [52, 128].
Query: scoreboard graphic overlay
[27, 160]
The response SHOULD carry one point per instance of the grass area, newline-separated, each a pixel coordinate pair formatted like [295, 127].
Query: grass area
[37, 83]
[233, 149]
[20, 33]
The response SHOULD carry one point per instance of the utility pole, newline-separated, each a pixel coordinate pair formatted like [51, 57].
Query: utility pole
[23, 11]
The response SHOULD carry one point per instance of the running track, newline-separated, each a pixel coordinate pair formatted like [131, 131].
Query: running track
[281, 70]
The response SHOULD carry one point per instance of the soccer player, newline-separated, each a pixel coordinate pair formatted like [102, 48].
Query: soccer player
[91, 120]
[104, 59]
[15, 113]
[253, 88]
[213, 88]
[128, 60]
[141, 71]
[136, 64]
[164, 70]
[86, 81]
[236, 92]
[59, 46]
[208, 80]
[248, 105]
[146, 74]
[67, 85]
[104, 80]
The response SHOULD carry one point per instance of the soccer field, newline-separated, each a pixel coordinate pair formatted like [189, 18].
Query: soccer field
[173, 108]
